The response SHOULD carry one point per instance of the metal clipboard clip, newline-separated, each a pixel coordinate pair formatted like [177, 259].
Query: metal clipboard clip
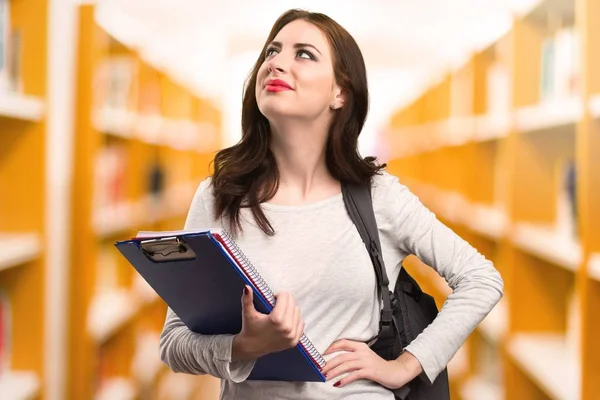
[167, 249]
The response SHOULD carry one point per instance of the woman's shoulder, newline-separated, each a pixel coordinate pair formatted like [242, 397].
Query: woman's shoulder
[384, 182]
[391, 195]
[203, 195]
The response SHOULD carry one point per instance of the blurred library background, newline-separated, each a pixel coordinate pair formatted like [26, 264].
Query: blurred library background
[110, 112]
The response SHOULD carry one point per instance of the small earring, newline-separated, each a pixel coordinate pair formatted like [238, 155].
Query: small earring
[333, 106]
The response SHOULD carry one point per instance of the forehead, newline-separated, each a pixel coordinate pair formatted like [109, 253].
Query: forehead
[301, 31]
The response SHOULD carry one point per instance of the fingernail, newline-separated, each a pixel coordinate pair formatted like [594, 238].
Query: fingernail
[337, 384]
[245, 290]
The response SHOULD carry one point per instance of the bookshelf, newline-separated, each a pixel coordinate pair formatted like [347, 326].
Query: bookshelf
[22, 209]
[504, 149]
[143, 144]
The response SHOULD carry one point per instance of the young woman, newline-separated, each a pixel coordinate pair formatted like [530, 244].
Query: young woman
[279, 191]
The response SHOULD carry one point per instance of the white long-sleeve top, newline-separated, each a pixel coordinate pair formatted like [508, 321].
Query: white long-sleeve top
[318, 256]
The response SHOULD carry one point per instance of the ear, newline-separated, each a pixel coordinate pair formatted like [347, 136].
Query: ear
[339, 98]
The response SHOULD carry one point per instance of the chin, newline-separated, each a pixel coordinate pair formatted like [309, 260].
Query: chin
[275, 108]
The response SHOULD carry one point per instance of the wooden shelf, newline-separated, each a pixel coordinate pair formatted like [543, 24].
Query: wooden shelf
[19, 385]
[20, 106]
[17, 249]
[492, 127]
[594, 106]
[487, 220]
[495, 326]
[492, 146]
[477, 388]
[457, 131]
[594, 266]
[148, 128]
[109, 312]
[114, 122]
[117, 389]
[549, 115]
[546, 359]
[147, 364]
[112, 221]
[545, 243]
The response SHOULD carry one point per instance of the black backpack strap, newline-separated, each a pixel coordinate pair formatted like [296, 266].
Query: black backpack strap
[359, 204]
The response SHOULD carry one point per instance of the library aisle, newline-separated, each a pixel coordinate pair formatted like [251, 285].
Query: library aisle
[504, 147]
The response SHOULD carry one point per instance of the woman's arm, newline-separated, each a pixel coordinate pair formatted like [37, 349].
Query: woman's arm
[477, 285]
[185, 351]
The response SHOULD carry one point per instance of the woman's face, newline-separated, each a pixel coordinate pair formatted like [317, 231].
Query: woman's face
[297, 78]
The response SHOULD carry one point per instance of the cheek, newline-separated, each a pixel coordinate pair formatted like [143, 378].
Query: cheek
[262, 71]
[319, 87]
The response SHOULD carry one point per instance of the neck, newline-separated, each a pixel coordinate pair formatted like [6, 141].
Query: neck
[299, 149]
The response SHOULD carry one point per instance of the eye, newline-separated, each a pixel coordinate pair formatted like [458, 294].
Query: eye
[305, 54]
[270, 51]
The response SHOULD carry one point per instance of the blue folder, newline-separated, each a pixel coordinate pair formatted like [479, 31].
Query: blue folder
[201, 276]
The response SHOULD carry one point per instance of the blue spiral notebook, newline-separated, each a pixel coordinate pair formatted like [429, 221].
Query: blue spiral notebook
[200, 275]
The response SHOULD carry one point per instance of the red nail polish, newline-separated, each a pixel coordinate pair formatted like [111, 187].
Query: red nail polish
[246, 290]
[337, 384]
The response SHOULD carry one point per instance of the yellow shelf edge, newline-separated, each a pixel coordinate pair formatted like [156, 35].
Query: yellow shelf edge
[117, 389]
[18, 249]
[113, 220]
[548, 360]
[178, 134]
[20, 106]
[549, 114]
[19, 385]
[146, 364]
[484, 219]
[114, 122]
[544, 242]
[594, 106]
[109, 312]
[594, 266]
[478, 388]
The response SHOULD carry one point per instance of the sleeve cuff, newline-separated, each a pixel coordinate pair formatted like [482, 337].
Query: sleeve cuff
[430, 369]
[235, 371]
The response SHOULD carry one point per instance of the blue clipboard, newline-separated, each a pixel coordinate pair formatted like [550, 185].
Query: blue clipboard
[201, 275]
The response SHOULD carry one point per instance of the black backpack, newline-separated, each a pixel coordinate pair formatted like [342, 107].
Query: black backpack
[406, 311]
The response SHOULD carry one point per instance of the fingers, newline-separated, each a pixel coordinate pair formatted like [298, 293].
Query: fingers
[353, 376]
[337, 361]
[345, 368]
[248, 302]
[287, 318]
[279, 312]
[345, 345]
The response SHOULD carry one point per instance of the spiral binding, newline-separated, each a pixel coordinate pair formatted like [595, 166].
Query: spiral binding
[262, 286]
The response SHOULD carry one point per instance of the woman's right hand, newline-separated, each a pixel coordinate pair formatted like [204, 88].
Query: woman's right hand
[263, 334]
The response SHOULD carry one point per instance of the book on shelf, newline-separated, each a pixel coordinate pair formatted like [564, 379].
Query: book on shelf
[559, 68]
[566, 203]
[110, 176]
[115, 83]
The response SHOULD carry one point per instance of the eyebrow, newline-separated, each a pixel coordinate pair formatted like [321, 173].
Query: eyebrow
[296, 46]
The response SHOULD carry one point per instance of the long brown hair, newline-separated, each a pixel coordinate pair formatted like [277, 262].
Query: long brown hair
[246, 174]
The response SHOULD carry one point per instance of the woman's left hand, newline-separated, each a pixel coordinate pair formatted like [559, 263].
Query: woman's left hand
[363, 363]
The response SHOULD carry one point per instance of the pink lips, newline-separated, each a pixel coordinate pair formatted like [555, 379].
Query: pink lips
[277, 85]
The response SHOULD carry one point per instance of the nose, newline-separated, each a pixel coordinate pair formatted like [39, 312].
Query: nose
[274, 64]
